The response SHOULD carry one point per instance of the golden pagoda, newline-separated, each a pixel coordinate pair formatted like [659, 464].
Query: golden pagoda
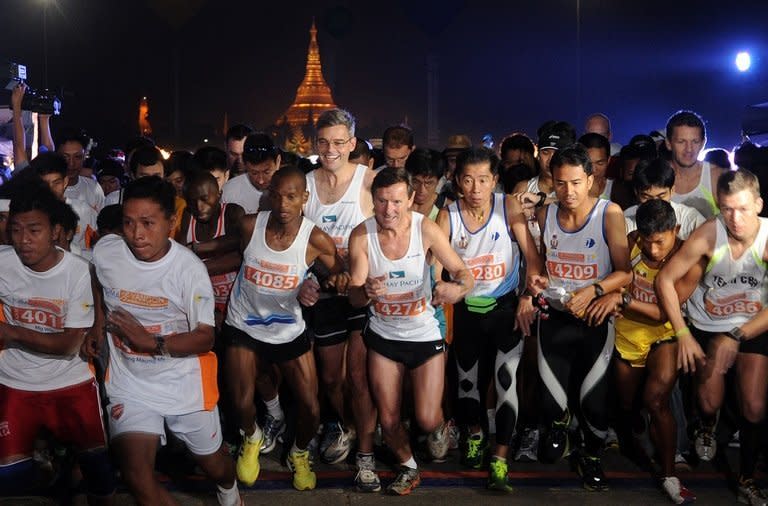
[313, 96]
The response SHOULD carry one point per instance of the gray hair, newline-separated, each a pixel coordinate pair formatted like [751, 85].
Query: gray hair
[335, 117]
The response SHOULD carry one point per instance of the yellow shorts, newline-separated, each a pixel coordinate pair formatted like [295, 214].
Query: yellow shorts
[635, 340]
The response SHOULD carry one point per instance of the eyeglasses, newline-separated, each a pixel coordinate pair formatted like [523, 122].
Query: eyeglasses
[337, 143]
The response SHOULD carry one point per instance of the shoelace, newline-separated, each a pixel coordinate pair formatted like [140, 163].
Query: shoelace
[473, 447]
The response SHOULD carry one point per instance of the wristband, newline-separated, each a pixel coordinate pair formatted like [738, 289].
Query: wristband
[685, 331]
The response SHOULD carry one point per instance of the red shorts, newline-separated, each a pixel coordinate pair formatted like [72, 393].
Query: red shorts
[72, 414]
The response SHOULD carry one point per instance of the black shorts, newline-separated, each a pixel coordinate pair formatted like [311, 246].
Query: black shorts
[274, 353]
[333, 319]
[757, 344]
[410, 354]
[493, 329]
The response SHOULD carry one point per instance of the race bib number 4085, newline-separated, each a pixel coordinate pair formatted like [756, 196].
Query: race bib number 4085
[271, 280]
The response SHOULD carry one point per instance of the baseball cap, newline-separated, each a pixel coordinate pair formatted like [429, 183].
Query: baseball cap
[640, 146]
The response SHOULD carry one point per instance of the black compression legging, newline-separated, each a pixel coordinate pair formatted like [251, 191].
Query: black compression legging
[485, 344]
[573, 365]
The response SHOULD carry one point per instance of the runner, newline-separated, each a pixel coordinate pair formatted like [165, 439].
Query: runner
[390, 271]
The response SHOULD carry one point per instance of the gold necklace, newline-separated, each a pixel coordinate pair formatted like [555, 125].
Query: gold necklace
[479, 217]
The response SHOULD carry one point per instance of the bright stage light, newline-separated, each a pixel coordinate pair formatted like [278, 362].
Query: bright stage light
[743, 61]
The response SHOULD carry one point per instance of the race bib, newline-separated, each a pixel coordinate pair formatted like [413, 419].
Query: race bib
[486, 268]
[743, 304]
[271, 277]
[222, 285]
[572, 271]
[400, 305]
[40, 314]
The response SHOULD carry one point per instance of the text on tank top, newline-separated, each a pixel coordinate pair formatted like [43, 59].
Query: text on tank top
[579, 258]
[490, 253]
[222, 283]
[732, 290]
[264, 303]
[405, 312]
[339, 218]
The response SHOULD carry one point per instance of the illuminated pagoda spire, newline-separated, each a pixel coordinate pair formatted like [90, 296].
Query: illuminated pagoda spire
[313, 96]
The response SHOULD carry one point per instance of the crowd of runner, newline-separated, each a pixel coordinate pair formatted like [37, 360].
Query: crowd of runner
[535, 303]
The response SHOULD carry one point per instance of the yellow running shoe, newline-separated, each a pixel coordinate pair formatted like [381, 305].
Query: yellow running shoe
[303, 476]
[248, 466]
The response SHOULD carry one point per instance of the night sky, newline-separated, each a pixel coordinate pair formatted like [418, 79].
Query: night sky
[503, 66]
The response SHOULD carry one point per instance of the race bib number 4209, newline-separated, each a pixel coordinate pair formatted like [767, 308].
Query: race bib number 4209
[576, 272]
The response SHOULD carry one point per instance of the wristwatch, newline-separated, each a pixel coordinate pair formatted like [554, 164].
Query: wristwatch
[736, 334]
[626, 299]
[599, 292]
[160, 348]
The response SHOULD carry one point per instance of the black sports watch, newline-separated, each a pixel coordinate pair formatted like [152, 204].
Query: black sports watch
[626, 299]
[599, 292]
[736, 334]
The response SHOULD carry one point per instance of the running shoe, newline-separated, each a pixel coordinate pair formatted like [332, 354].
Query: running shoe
[611, 440]
[556, 444]
[750, 493]
[437, 443]
[591, 471]
[335, 445]
[680, 463]
[366, 479]
[704, 443]
[676, 492]
[407, 479]
[474, 451]
[248, 466]
[303, 476]
[529, 445]
[273, 428]
[454, 435]
[498, 476]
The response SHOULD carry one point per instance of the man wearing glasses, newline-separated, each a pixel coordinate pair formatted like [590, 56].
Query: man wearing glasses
[261, 159]
[339, 200]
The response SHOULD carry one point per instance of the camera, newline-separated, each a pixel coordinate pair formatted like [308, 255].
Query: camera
[39, 101]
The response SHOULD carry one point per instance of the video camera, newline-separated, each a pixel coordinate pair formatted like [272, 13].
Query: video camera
[39, 101]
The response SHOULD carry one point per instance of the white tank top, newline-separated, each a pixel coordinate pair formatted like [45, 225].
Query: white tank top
[263, 302]
[533, 223]
[490, 253]
[607, 190]
[222, 283]
[405, 313]
[337, 219]
[580, 258]
[732, 290]
[701, 198]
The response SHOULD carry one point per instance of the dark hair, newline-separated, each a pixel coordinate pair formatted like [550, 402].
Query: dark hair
[155, 189]
[362, 150]
[648, 173]
[719, 157]
[49, 163]
[73, 135]
[146, 156]
[110, 219]
[238, 132]
[685, 118]
[34, 195]
[390, 176]
[575, 155]
[426, 163]
[210, 158]
[655, 216]
[178, 161]
[396, 136]
[68, 217]
[199, 178]
[286, 172]
[476, 155]
[596, 141]
[259, 147]
[519, 141]
[138, 142]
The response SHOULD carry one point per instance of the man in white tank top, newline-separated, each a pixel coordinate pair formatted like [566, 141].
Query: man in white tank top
[694, 180]
[587, 256]
[730, 253]
[402, 334]
[264, 325]
[339, 200]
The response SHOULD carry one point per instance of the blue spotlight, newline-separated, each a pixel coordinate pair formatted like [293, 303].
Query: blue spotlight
[743, 61]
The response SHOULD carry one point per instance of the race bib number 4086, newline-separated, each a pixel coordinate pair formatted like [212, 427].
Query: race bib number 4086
[740, 304]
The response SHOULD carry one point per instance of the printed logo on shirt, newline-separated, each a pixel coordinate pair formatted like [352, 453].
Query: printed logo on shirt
[142, 299]
[553, 242]
[329, 219]
[495, 236]
[396, 274]
[117, 411]
[590, 243]
[5, 430]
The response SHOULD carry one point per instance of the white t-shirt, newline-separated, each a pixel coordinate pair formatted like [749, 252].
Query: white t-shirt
[240, 191]
[169, 296]
[82, 242]
[47, 302]
[688, 218]
[87, 190]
